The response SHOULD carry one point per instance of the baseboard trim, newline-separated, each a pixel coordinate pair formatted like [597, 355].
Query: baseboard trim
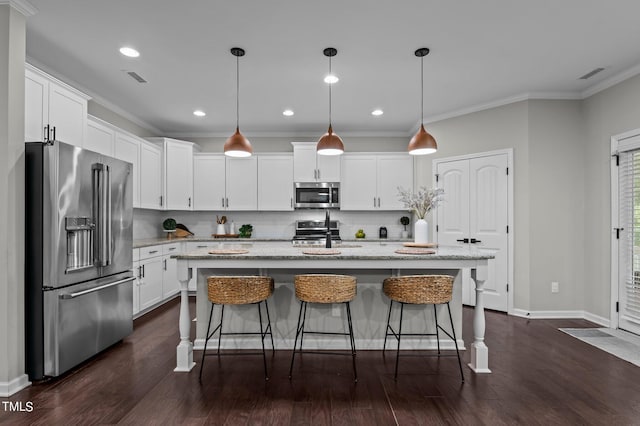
[16, 385]
[561, 315]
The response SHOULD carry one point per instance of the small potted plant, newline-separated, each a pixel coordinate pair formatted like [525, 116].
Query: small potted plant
[169, 226]
[245, 231]
[404, 220]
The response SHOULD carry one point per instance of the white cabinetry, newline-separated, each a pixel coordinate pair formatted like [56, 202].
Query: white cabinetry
[127, 148]
[170, 283]
[275, 182]
[371, 181]
[308, 166]
[177, 162]
[51, 104]
[100, 136]
[222, 183]
[156, 276]
[150, 173]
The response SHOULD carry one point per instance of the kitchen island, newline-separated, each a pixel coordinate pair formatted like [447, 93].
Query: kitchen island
[370, 262]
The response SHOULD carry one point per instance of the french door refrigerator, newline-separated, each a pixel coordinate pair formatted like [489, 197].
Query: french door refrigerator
[78, 263]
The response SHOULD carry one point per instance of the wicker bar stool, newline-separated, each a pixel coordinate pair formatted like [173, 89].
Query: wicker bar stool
[324, 289]
[420, 290]
[239, 290]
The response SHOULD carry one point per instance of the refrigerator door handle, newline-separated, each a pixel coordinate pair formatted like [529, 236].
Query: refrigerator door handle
[93, 290]
[102, 212]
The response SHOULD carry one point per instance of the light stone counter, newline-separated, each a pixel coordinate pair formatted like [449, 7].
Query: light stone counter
[369, 261]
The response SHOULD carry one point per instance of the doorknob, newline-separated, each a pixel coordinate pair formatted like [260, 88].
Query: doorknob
[464, 240]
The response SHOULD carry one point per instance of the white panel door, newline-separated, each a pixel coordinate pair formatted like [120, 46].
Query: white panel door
[328, 168]
[358, 187]
[150, 177]
[209, 182]
[68, 114]
[475, 211]
[36, 106]
[151, 282]
[275, 182]
[488, 221]
[393, 171]
[304, 162]
[242, 183]
[178, 178]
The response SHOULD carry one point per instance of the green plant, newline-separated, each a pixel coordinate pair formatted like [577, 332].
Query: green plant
[169, 224]
[404, 220]
[245, 230]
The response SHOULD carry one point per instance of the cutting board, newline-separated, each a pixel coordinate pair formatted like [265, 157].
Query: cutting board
[423, 245]
[415, 251]
[228, 251]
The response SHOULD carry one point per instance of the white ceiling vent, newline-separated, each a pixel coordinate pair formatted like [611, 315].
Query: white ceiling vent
[136, 76]
[591, 73]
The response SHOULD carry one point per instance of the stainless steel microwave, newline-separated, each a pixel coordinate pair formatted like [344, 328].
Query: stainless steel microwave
[317, 195]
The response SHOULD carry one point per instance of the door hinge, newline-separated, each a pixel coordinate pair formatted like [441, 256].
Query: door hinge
[617, 306]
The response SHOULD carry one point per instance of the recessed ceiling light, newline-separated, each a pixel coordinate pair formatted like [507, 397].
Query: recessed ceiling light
[130, 52]
[287, 112]
[199, 113]
[377, 112]
[331, 79]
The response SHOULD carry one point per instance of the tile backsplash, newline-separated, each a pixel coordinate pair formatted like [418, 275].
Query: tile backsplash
[281, 225]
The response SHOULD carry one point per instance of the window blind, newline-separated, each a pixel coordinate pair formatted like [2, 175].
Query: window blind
[629, 210]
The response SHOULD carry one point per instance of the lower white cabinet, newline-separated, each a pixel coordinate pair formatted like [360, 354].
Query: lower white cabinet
[156, 276]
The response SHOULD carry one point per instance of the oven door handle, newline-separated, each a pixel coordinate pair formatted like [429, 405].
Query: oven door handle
[67, 296]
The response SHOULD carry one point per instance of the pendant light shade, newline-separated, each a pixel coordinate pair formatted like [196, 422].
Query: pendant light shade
[237, 145]
[330, 143]
[422, 142]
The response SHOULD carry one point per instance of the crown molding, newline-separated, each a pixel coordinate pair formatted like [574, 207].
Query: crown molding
[22, 6]
[611, 81]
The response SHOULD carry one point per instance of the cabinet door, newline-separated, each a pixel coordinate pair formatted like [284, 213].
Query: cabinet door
[100, 138]
[127, 148]
[170, 283]
[68, 114]
[137, 273]
[150, 177]
[36, 106]
[151, 282]
[358, 185]
[275, 183]
[242, 183]
[209, 182]
[328, 168]
[304, 163]
[393, 171]
[178, 178]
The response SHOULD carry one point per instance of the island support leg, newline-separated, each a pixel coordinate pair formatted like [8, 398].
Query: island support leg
[184, 351]
[479, 351]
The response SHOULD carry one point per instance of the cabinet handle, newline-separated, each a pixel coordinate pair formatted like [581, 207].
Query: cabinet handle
[318, 174]
[53, 131]
[315, 173]
[142, 271]
[374, 201]
[222, 201]
[45, 133]
[201, 246]
[292, 202]
[473, 241]
[165, 264]
[171, 248]
[378, 202]
[464, 240]
[189, 201]
[161, 201]
[139, 272]
[227, 202]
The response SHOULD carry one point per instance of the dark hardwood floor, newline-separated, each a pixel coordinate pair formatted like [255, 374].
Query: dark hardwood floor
[540, 376]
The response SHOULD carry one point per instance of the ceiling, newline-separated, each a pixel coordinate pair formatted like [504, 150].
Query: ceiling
[482, 54]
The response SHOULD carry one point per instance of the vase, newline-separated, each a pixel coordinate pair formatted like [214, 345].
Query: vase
[404, 234]
[421, 231]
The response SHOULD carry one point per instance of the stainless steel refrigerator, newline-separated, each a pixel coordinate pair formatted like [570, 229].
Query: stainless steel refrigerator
[78, 265]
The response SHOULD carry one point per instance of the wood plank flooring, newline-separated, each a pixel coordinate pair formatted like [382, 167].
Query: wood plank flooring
[540, 376]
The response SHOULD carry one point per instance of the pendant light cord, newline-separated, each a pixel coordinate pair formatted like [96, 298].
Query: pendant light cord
[237, 92]
[330, 84]
[422, 91]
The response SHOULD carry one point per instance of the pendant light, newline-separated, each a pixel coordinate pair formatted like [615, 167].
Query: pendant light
[422, 143]
[237, 145]
[330, 143]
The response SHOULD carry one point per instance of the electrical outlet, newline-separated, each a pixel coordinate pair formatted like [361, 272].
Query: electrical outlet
[335, 310]
[555, 287]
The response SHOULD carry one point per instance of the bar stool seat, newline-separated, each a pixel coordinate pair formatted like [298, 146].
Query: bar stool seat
[324, 289]
[239, 290]
[420, 290]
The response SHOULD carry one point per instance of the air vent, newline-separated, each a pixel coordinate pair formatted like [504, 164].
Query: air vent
[136, 77]
[591, 73]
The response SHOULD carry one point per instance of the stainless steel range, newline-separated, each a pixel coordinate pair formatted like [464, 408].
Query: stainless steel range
[314, 233]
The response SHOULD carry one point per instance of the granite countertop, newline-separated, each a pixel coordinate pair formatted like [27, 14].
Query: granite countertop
[156, 241]
[371, 250]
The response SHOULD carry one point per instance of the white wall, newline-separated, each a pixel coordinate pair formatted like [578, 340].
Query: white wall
[607, 113]
[12, 56]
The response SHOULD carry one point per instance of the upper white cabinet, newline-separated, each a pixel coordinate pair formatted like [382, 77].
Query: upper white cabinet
[275, 182]
[127, 148]
[308, 166]
[101, 137]
[150, 174]
[177, 162]
[53, 110]
[371, 181]
[222, 183]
